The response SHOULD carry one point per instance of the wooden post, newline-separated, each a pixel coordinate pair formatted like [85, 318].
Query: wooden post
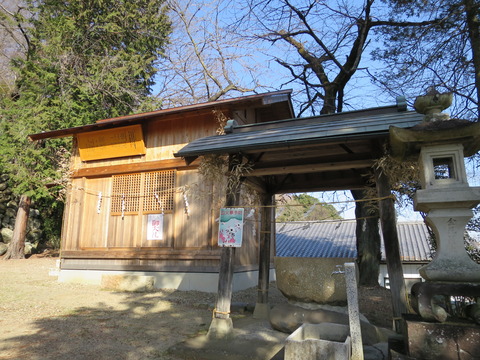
[222, 325]
[267, 233]
[392, 247]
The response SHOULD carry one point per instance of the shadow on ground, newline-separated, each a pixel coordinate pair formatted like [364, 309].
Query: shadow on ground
[252, 339]
[145, 326]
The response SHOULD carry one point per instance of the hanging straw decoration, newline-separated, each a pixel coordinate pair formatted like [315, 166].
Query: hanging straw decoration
[123, 206]
[99, 202]
[159, 201]
[185, 200]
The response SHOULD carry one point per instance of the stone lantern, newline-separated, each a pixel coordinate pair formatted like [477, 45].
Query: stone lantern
[440, 145]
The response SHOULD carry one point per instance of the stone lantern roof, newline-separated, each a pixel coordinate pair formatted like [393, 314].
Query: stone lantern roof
[437, 128]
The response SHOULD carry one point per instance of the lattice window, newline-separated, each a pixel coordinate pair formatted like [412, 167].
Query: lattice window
[150, 192]
[126, 194]
[158, 191]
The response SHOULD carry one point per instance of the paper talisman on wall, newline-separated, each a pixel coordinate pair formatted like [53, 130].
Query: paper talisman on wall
[155, 227]
[230, 232]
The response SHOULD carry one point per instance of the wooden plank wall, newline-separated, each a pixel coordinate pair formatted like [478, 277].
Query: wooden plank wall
[193, 231]
[189, 239]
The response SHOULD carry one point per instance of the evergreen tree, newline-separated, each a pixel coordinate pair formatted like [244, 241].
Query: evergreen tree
[304, 207]
[432, 43]
[84, 60]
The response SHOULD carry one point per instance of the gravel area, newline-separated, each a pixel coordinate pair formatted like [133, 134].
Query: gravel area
[43, 319]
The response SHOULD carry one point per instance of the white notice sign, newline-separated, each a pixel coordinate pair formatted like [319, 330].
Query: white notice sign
[155, 227]
[230, 232]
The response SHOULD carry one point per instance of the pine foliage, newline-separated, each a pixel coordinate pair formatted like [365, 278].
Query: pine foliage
[84, 60]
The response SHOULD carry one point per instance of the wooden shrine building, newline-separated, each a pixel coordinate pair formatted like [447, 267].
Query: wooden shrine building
[133, 207]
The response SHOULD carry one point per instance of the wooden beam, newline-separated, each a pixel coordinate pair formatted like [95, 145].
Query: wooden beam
[311, 168]
[327, 181]
[256, 183]
[133, 167]
[290, 158]
[392, 247]
[129, 253]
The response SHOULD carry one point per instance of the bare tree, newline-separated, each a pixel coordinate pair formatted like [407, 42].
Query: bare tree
[323, 43]
[12, 41]
[205, 61]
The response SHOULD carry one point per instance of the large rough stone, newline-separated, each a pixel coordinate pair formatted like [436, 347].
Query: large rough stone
[34, 236]
[7, 235]
[6, 221]
[11, 213]
[312, 279]
[134, 283]
[12, 205]
[3, 248]
[29, 248]
[3, 186]
[288, 318]
[376, 352]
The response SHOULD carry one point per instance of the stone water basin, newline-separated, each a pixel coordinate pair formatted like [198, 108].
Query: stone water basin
[312, 280]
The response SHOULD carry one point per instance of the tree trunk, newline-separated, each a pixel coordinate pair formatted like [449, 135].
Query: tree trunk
[368, 240]
[17, 245]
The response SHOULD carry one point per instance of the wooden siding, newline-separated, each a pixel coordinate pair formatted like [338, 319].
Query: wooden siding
[114, 240]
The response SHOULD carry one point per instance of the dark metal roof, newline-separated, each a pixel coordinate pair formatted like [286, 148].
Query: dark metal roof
[337, 239]
[314, 130]
[265, 99]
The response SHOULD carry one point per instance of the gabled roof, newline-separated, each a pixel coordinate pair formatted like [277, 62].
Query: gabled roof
[319, 153]
[280, 98]
[303, 131]
[337, 239]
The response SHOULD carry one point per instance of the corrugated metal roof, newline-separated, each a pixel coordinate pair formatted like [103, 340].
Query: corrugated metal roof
[314, 130]
[337, 239]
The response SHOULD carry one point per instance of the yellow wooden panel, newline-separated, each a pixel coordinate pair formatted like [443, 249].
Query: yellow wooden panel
[111, 143]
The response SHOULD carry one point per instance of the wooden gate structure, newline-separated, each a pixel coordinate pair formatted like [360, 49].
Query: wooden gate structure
[320, 153]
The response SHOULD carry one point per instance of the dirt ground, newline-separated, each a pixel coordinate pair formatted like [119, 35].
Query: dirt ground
[43, 319]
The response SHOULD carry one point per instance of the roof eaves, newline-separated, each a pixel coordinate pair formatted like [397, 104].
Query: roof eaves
[274, 96]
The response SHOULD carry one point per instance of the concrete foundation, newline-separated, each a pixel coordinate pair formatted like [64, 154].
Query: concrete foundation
[325, 341]
[262, 311]
[220, 329]
[207, 282]
[136, 283]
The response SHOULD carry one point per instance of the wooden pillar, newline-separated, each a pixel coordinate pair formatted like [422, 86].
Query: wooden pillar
[267, 233]
[222, 325]
[392, 247]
